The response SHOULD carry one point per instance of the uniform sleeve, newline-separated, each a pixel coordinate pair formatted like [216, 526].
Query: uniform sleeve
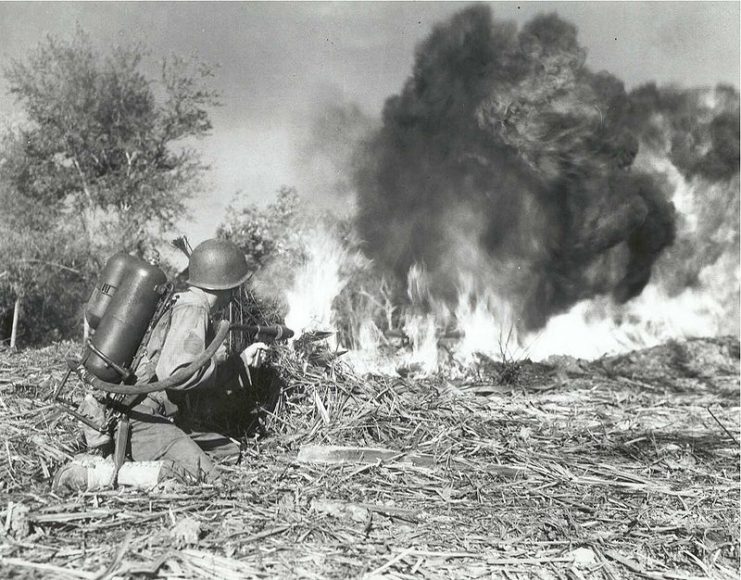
[185, 341]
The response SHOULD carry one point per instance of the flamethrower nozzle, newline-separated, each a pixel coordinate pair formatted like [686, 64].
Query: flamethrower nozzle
[258, 333]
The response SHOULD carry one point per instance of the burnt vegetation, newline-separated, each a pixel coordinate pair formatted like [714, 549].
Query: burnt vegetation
[622, 467]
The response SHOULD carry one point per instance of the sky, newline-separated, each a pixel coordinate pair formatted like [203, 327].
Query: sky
[279, 61]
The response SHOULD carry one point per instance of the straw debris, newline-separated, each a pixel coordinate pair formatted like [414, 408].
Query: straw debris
[625, 467]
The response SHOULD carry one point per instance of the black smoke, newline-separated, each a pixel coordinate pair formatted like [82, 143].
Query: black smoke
[698, 131]
[504, 157]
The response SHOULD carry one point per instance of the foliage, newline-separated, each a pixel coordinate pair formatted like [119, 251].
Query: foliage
[50, 274]
[271, 238]
[101, 164]
[266, 234]
[101, 142]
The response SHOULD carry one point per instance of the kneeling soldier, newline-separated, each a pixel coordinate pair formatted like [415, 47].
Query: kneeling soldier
[216, 269]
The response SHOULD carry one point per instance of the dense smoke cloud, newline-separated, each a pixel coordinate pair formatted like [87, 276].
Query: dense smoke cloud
[504, 158]
[697, 131]
[327, 151]
[697, 128]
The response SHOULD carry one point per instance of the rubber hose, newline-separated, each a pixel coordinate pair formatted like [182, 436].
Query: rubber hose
[176, 378]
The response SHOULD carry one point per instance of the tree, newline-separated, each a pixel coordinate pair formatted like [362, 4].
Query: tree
[46, 275]
[271, 239]
[104, 161]
[269, 233]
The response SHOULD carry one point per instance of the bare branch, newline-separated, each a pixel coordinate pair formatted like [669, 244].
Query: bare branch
[53, 264]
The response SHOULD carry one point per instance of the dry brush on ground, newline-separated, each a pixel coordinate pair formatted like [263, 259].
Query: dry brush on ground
[625, 467]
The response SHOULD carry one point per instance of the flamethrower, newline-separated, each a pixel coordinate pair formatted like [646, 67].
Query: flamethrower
[129, 299]
[259, 333]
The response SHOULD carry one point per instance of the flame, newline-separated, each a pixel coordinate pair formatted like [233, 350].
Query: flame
[422, 333]
[487, 324]
[317, 282]
[482, 320]
[707, 226]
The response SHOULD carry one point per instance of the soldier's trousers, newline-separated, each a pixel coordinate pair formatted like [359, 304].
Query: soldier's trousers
[191, 455]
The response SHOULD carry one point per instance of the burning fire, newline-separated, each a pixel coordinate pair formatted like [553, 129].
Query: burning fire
[483, 322]
[534, 208]
[317, 283]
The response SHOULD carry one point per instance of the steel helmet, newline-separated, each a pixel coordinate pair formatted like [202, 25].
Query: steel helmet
[217, 265]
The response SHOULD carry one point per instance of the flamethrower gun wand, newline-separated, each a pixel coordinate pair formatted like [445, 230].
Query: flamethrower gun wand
[256, 332]
[259, 333]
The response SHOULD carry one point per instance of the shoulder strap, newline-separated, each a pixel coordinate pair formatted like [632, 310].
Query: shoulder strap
[146, 368]
[146, 365]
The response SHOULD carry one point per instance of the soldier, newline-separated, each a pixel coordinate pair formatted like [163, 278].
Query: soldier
[216, 269]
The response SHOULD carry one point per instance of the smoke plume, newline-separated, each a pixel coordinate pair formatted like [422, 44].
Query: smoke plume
[327, 149]
[506, 160]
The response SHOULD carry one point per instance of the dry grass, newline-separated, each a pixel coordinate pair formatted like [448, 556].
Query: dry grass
[622, 468]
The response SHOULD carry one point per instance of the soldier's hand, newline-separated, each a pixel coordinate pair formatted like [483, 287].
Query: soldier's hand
[222, 353]
[254, 354]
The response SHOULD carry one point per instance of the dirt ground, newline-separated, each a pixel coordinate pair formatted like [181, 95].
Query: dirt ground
[625, 467]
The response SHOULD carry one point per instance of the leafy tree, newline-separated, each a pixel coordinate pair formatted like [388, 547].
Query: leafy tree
[265, 234]
[271, 239]
[48, 271]
[103, 162]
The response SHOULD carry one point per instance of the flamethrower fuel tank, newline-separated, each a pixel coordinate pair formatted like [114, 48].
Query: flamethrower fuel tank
[116, 269]
[122, 315]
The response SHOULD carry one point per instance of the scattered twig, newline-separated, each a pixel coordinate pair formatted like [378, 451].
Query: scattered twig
[722, 426]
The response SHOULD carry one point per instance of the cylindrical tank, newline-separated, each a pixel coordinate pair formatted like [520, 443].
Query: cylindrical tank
[126, 319]
[108, 282]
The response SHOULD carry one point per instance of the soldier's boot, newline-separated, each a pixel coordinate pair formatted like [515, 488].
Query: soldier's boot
[93, 474]
[70, 477]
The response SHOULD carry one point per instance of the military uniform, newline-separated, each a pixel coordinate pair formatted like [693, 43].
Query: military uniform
[155, 437]
[178, 339]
